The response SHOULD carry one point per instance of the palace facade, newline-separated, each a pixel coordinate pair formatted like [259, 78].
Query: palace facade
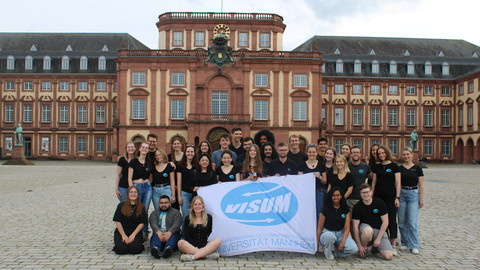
[354, 90]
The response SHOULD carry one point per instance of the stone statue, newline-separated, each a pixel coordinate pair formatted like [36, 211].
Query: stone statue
[18, 134]
[413, 140]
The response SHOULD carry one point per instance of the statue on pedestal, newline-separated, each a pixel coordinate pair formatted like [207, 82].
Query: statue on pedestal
[413, 140]
[18, 135]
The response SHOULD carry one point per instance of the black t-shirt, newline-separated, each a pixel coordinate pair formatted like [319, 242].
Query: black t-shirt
[124, 164]
[140, 171]
[385, 185]
[359, 173]
[240, 150]
[335, 218]
[321, 158]
[151, 159]
[410, 176]
[187, 178]
[320, 168]
[201, 179]
[299, 158]
[289, 167]
[227, 177]
[130, 223]
[197, 235]
[370, 214]
[343, 184]
[163, 177]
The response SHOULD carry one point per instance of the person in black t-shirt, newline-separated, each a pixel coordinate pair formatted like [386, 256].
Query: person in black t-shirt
[121, 177]
[295, 154]
[204, 175]
[340, 176]
[236, 144]
[268, 153]
[370, 223]
[282, 166]
[312, 165]
[227, 172]
[334, 226]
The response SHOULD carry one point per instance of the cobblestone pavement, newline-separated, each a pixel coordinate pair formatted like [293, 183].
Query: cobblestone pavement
[58, 214]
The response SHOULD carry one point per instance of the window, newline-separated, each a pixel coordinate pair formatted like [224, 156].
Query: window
[47, 63]
[446, 148]
[446, 91]
[376, 142]
[411, 90]
[9, 85]
[82, 144]
[199, 39]
[393, 145]
[393, 117]
[428, 68]
[265, 40]
[83, 63]
[64, 116]
[28, 62]
[428, 147]
[428, 118]
[339, 89]
[338, 145]
[393, 67]
[101, 86]
[261, 110]
[324, 113]
[410, 68]
[63, 144]
[261, 80]
[100, 144]
[357, 89]
[324, 88]
[300, 111]
[65, 63]
[102, 63]
[27, 86]
[461, 90]
[339, 66]
[27, 113]
[219, 102]
[470, 87]
[428, 90]
[47, 86]
[460, 117]
[393, 90]
[339, 116]
[64, 86]
[410, 117]
[243, 39]
[82, 114]
[178, 78]
[445, 69]
[300, 80]
[82, 86]
[10, 62]
[138, 78]
[357, 117]
[100, 114]
[375, 67]
[178, 109]
[177, 38]
[375, 118]
[358, 143]
[375, 89]
[9, 113]
[470, 115]
[357, 67]
[138, 109]
[45, 114]
[445, 118]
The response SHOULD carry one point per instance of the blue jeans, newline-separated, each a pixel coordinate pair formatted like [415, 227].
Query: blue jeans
[145, 193]
[187, 199]
[331, 240]
[408, 218]
[123, 193]
[319, 197]
[172, 242]
[158, 192]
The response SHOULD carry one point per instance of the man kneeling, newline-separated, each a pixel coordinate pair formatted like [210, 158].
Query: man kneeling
[165, 223]
[370, 222]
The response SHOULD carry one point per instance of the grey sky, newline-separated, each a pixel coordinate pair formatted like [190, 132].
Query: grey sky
[304, 18]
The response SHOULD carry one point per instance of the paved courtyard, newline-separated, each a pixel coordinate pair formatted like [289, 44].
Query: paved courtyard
[58, 214]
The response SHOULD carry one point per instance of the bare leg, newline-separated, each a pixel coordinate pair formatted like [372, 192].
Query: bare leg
[386, 254]
[211, 247]
[366, 235]
[186, 247]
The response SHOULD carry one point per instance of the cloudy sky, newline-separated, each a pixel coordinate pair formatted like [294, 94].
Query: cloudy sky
[304, 18]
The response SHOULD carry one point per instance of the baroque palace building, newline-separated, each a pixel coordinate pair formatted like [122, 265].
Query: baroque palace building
[356, 90]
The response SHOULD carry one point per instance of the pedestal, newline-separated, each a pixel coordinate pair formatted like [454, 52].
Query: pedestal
[18, 157]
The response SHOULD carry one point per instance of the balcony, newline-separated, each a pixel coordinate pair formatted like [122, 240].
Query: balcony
[219, 15]
[236, 54]
[219, 118]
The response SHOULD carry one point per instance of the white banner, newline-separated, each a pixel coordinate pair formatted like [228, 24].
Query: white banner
[274, 213]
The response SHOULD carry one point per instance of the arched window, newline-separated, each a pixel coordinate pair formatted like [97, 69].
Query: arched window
[357, 67]
[10, 62]
[83, 63]
[102, 63]
[28, 62]
[65, 63]
[375, 67]
[428, 68]
[410, 68]
[47, 62]
[339, 66]
[445, 69]
[393, 67]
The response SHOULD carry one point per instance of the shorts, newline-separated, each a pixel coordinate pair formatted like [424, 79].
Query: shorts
[384, 243]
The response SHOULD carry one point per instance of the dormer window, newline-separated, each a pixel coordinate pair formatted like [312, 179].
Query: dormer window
[375, 67]
[339, 66]
[65, 63]
[406, 53]
[105, 48]
[10, 62]
[393, 67]
[69, 48]
[102, 63]
[445, 69]
[83, 63]
[47, 62]
[410, 68]
[357, 67]
[28, 62]
[372, 52]
[337, 51]
[428, 68]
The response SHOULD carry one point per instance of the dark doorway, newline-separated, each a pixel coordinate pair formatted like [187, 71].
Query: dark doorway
[27, 145]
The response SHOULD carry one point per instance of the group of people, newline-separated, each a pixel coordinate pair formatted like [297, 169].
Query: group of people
[357, 202]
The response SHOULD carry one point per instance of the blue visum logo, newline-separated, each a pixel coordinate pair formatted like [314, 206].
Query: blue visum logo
[260, 204]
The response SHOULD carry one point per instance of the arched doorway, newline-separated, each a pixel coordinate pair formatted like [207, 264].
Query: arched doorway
[468, 153]
[303, 144]
[174, 137]
[213, 136]
[459, 151]
[138, 140]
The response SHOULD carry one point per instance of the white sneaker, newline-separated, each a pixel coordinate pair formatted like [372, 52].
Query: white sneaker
[415, 251]
[186, 258]
[403, 248]
[394, 252]
[213, 256]
[328, 253]
[320, 248]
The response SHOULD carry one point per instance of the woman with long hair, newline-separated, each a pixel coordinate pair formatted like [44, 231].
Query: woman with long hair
[252, 167]
[333, 229]
[330, 155]
[163, 179]
[372, 159]
[197, 226]
[139, 176]
[176, 153]
[268, 153]
[411, 200]
[227, 172]
[341, 177]
[121, 177]
[204, 174]
[386, 185]
[346, 148]
[130, 218]
[204, 148]
[186, 168]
